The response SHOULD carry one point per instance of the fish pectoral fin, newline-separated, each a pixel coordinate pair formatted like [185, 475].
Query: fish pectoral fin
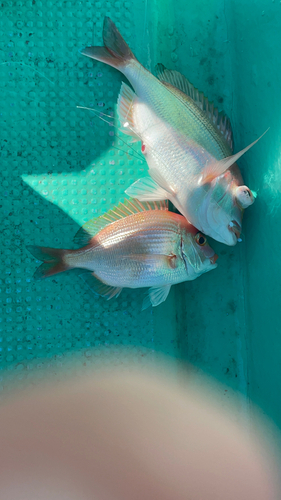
[157, 177]
[156, 295]
[215, 168]
[125, 110]
[151, 188]
[146, 189]
[99, 287]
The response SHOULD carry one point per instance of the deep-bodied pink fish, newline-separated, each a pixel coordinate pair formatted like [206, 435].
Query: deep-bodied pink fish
[186, 142]
[134, 245]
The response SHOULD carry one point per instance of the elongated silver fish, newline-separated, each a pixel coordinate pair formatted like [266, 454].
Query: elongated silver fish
[187, 144]
[134, 245]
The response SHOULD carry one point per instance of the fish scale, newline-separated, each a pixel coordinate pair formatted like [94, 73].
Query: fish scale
[198, 138]
[152, 247]
[156, 234]
[189, 120]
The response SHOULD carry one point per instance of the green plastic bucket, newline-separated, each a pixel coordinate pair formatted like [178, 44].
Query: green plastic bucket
[62, 165]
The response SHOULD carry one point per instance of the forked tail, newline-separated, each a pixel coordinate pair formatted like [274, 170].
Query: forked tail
[116, 52]
[53, 261]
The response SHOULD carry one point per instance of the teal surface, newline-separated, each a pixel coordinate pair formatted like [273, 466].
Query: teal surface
[62, 165]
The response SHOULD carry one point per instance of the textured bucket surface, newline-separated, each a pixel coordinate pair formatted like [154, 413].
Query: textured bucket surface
[62, 166]
[60, 170]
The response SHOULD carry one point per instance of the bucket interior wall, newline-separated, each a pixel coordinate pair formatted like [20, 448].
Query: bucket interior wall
[62, 165]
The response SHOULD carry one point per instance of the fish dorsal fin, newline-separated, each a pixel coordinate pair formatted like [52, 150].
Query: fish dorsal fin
[129, 207]
[174, 80]
[125, 107]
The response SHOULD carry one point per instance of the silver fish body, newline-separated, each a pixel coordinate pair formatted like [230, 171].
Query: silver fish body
[142, 251]
[178, 159]
[134, 245]
[184, 115]
[162, 114]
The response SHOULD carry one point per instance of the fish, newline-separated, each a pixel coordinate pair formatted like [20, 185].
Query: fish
[134, 245]
[186, 143]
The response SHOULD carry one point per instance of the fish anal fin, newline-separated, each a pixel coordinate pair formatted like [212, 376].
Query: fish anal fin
[175, 81]
[155, 296]
[98, 287]
[125, 110]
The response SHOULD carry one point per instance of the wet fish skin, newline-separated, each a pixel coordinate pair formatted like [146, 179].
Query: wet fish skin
[161, 112]
[187, 119]
[137, 251]
[149, 248]
[174, 164]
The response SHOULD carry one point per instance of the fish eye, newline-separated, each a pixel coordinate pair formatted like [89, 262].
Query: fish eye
[244, 196]
[200, 239]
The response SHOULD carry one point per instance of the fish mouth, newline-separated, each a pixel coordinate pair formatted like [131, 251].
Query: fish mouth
[235, 228]
[214, 259]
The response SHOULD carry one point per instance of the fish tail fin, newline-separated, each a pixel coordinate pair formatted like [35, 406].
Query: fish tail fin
[53, 261]
[116, 52]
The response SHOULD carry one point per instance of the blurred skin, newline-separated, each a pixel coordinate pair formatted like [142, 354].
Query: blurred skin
[129, 435]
